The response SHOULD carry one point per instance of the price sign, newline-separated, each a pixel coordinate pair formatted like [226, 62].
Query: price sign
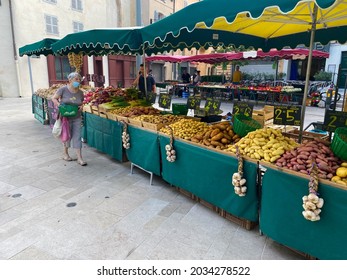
[151, 96]
[287, 115]
[243, 108]
[164, 100]
[334, 119]
[212, 106]
[193, 102]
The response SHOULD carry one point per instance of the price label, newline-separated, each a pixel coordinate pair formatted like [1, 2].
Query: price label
[212, 106]
[334, 119]
[243, 108]
[151, 96]
[287, 115]
[164, 100]
[193, 102]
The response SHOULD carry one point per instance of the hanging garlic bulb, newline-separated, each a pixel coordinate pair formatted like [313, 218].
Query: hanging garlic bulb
[238, 182]
[170, 151]
[125, 136]
[312, 203]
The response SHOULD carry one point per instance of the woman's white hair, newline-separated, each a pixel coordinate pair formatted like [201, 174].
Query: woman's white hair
[74, 75]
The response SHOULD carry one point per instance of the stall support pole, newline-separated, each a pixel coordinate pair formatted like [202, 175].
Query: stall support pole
[344, 94]
[31, 76]
[308, 70]
[144, 70]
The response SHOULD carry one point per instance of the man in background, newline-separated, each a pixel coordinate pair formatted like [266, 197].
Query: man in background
[140, 82]
[185, 77]
[152, 87]
[236, 79]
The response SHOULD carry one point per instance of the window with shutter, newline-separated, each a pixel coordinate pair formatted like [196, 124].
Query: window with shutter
[51, 25]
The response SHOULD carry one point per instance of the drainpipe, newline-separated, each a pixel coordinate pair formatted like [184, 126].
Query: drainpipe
[15, 51]
[138, 23]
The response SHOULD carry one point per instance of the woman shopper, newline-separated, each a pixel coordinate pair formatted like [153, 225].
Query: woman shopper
[72, 95]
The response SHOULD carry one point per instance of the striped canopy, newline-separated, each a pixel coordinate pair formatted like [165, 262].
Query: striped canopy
[43, 47]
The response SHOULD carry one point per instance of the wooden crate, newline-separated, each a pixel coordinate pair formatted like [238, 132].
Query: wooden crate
[264, 116]
[135, 122]
[103, 115]
[122, 118]
[305, 135]
[269, 108]
[153, 126]
[95, 110]
[112, 116]
[88, 109]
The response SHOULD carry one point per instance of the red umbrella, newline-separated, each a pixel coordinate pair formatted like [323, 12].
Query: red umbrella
[167, 58]
[213, 58]
[292, 54]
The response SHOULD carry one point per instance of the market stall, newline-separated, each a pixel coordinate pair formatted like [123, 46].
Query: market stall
[281, 215]
[204, 168]
[265, 24]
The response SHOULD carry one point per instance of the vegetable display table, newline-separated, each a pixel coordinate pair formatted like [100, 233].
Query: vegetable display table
[208, 175]
[144, 149]
[104, 135]
[281, 215]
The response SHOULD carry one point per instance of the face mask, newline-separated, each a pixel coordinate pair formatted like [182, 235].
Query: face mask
[75, 84]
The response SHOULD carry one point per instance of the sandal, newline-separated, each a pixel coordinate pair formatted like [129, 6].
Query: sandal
[81, 162]
[67, 158]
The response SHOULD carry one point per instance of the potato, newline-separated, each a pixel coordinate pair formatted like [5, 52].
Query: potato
[336, 178]
[217, 137]
[215, 132]
[341, 172]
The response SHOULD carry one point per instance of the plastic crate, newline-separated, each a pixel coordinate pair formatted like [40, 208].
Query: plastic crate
[244, 124]
[339, 143]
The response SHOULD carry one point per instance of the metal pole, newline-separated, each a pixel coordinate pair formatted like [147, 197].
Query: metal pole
[174, 69]
[144, 70]
[344, 94]
[308, 70]
[276, 71]
[31, 76]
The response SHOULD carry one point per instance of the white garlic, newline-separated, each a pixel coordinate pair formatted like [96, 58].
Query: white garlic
[313, 197]
[320, 203]
[242, 182]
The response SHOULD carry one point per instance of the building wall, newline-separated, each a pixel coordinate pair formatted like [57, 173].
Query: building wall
[8, 74]
[333, 62]
[151, 10]
[29, 27]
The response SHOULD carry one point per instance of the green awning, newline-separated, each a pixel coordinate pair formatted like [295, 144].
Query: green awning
[43, 47]
[101, 42]
[268, 23]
